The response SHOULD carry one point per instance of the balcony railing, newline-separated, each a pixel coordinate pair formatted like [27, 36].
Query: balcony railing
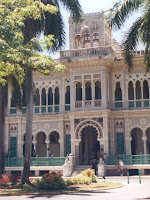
[129, 159]
[144, 103]
[93, 52]
[36, 161]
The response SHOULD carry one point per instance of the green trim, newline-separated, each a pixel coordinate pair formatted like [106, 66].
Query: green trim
[138, 104]
[67, 108]
[37, 110]
[50, 109]
[13, 111]
[43, 109]
[118, 104]
[131, 104]
[146, 103]
[56, 108]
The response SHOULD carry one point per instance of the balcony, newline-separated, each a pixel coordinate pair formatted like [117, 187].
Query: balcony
[87, 53]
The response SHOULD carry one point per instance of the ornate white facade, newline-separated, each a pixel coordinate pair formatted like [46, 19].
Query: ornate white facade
[95, 100]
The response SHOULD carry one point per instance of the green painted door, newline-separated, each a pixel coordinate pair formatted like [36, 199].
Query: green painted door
[119, 143]
[68, 144]
[13, 146]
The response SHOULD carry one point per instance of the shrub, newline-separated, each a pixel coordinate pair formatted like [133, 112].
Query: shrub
[81, 179]
[7, 179]
[88, 172]
[69, 182]
[52, 181]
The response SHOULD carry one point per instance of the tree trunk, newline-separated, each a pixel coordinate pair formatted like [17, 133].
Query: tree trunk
[29, 118]
[2, 125]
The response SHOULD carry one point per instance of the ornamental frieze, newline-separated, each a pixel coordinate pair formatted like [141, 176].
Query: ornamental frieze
[99, 120]
[88, 123]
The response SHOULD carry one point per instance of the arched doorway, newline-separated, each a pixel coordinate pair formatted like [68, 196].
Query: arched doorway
[89, 146]
[148, 141]
[54, 144]
[137, 145]
[41, 145]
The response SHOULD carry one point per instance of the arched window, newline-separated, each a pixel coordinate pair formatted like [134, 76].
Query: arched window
[86, 42]
[78, 92]
[37, 97]
[54, 137]
[77, 41]
[95, 39]
[138, 90]
[97, 90]
[50, 96]
[43, 97]
[118, 92]
[13, 104]
[56, 95]
[88, 91]
[67, 95]
[54, 144]
[145, 90]
[130, 91]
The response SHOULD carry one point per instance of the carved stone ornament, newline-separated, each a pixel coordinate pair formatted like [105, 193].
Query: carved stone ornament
[83, 124]
[46, 126]
[143, 121]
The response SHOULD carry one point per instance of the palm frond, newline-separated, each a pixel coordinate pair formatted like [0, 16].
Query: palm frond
[147, 57]
[121, 10]
[74, 7]
[131, 41]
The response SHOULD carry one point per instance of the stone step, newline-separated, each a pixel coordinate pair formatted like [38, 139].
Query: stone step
[79, 169]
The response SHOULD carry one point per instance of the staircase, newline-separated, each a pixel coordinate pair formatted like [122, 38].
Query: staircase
[78, 169]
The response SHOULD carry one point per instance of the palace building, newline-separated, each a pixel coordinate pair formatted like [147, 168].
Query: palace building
[95, 105]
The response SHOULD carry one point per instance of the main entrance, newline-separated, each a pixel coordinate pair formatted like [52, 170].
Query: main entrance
[89, 146]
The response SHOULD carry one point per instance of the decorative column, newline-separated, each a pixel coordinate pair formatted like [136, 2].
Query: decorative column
[83, 93]
[47, 100]
[144, 138]
[134, 85]
[6, 136]
[19, 141]
[142, 102]
[91, 40]
[62, 96]
[53, 92]
[112, 136]
[34, 142]
[93, 93]
[61, 141]
[72, 133]
[127, 136]
[104, 93]
[105, 128]
[72, 93]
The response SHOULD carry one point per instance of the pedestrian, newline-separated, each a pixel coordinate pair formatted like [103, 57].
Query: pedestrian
[94, 163]
[34, 153]
[119, 165]
[48, 152]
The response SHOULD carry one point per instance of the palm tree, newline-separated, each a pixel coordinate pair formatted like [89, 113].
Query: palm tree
[3, 103]
[139, 31]
[49, 24]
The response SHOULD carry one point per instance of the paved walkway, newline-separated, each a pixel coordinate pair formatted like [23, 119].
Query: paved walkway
[132, 191]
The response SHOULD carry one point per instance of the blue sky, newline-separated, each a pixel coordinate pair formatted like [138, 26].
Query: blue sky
[90, 6]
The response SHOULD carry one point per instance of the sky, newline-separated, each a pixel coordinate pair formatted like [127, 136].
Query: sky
[90, 6]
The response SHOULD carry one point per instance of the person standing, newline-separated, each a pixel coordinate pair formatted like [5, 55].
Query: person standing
[119, 165]
[48, 152]
[94, 162]
[34, 153]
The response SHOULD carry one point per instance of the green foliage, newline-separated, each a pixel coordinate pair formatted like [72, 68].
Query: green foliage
[85, 177]
[139, 31]
[88, 172]
[81, 179]
[52, 181]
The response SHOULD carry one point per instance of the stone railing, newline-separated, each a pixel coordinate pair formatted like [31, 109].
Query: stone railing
[88, 53]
